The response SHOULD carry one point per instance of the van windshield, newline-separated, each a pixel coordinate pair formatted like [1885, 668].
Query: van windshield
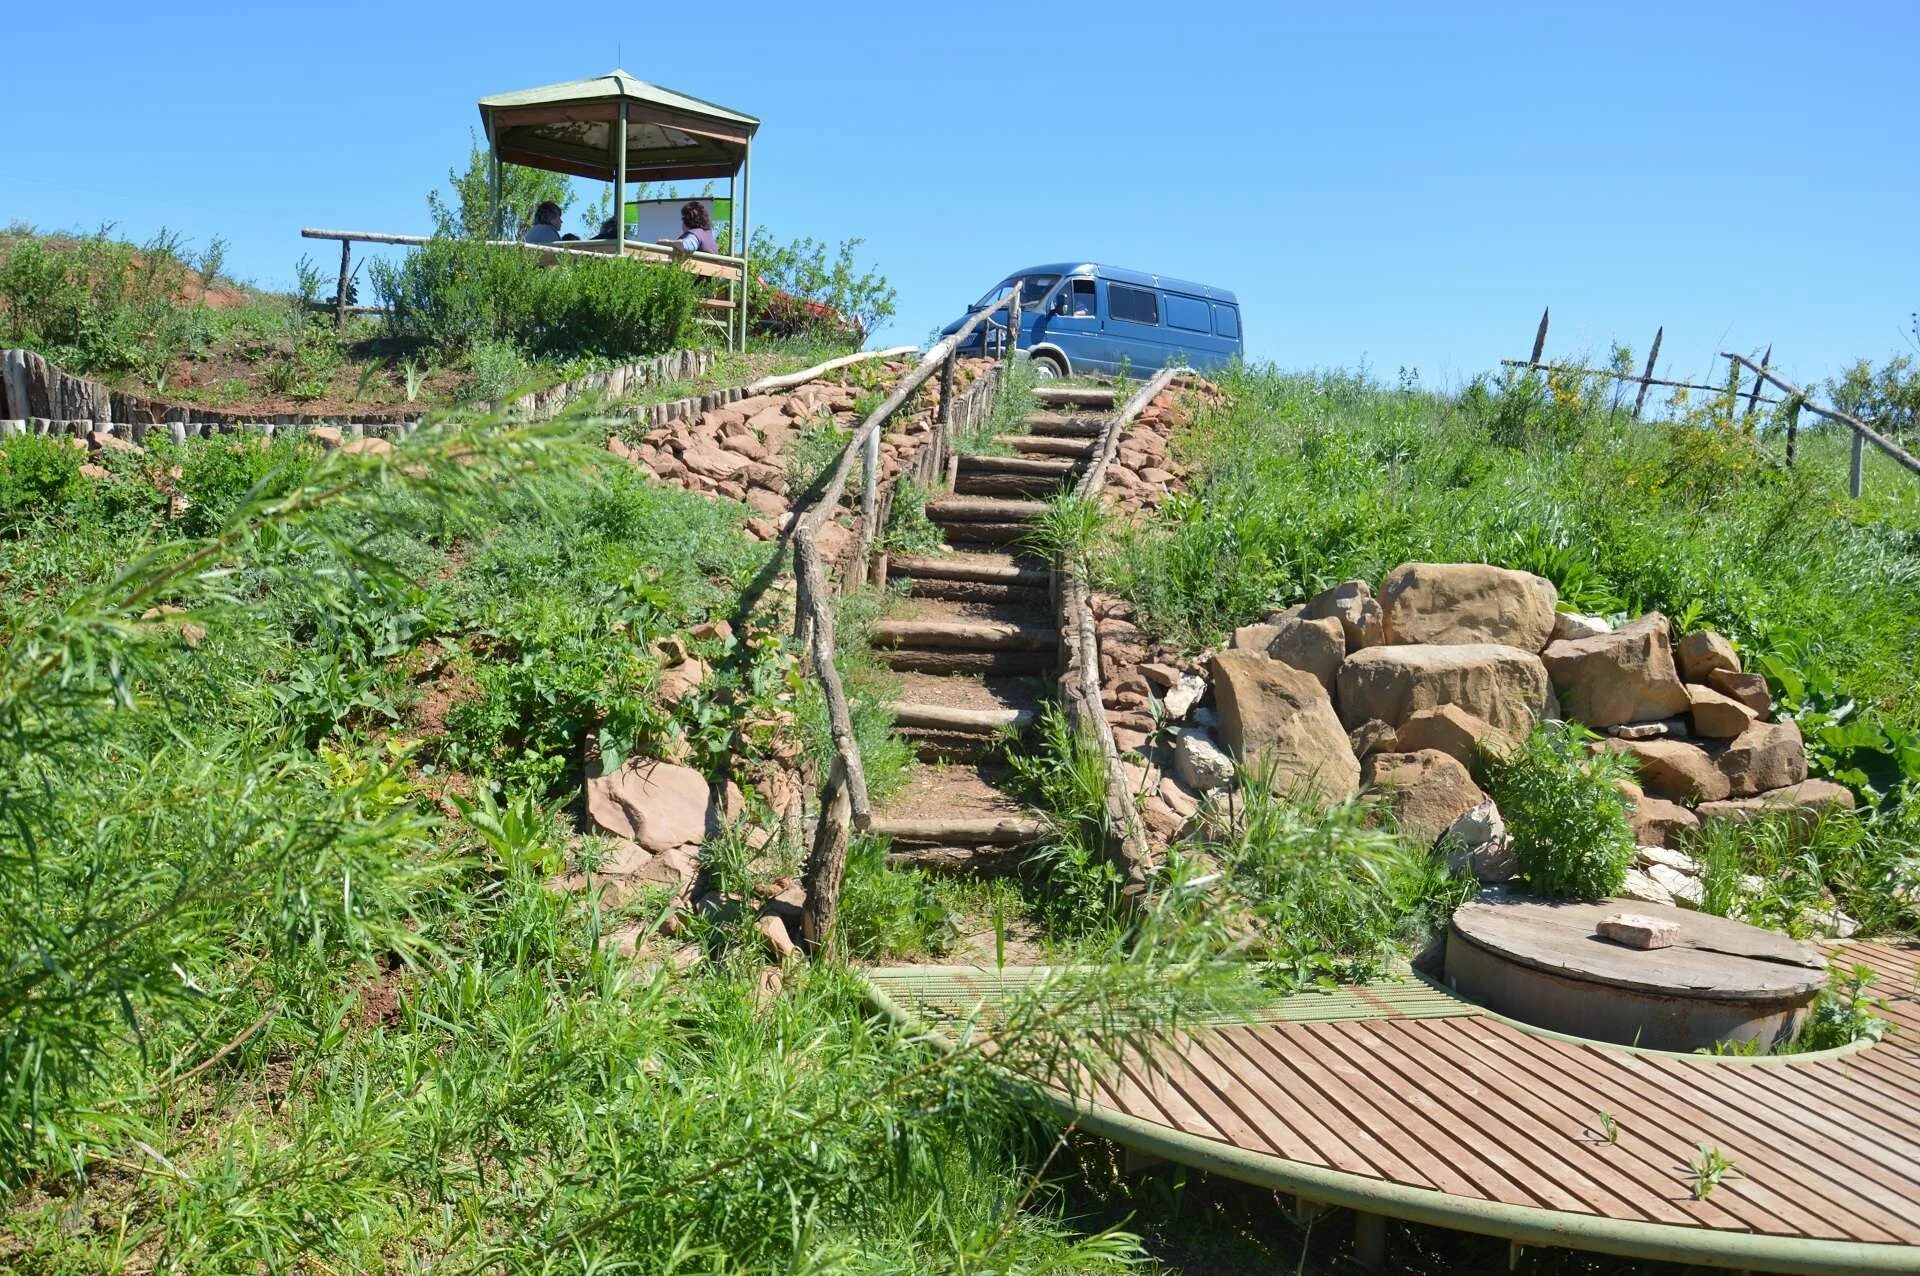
[1032, 289]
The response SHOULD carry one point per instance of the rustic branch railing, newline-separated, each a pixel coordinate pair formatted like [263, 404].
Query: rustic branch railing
[1080, 687]
[1863, 433]
[844, 806]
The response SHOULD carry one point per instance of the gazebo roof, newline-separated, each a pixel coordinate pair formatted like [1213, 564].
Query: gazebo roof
[569, 128]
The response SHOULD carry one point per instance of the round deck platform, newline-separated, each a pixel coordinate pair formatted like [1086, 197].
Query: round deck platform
[1543, 962]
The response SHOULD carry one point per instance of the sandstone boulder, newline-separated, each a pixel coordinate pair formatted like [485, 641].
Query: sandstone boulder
[1361, 619]
[681, 680]
[1811, 797]
[658, 805]
[1673, 769]
[1766, 756]
[1311, 646]
[1373, 736]
[1456, 603]
[1453, 731]
[1502, 686]
[1427, 790]
[1568, 625]
[1626, 675]
[1277, 716]
[1703, 651]
[1715, 715]
[1750, 689]
[1200, 763]
[1252, 637]
[1658, 822]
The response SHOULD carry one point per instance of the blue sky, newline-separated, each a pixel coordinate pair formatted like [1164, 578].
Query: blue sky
[1401, 184]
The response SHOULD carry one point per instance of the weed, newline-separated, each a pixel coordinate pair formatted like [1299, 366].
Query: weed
[1563, 808]
[1608, 1126]
[1708, 1169]
[909, 530]
[1844, 1014]
[494, 370]
[1066, 776]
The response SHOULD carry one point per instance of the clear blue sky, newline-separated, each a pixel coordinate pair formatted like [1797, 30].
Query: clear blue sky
[1404, 184]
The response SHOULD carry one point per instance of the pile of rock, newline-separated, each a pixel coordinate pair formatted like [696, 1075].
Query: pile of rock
[1403, 690]
[1143, 470]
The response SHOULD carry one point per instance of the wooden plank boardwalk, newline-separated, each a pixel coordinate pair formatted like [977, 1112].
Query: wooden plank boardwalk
[1401, 1100]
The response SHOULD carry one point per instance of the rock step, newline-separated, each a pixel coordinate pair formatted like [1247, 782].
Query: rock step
[972, 591]
[968, 567]
[1065, 425]
[974, 509]
[948, 660]
[991, 830]
[1041, 445]
[964, 635]
[943, 717]
[1087, 396]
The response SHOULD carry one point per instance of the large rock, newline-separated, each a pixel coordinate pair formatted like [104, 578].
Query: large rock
[1354, 606]
[1703, 651]
[1427, 790]
[1252, 637]
[1503, 686]
[1750, 689]
[1452, 730]
[1311, 646]
[1767, 755]
[1457, 603]
[1658, 822]
[1623, 676]
[1812, 798]
[1717, 716]
[657, 805]
[1674, 769]
[1282, 717]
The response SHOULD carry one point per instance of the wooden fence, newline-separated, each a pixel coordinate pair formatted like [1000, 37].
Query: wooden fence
[1793, 399]
[844, 806]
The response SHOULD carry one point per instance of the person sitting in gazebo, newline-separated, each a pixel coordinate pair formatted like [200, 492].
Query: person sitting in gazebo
[546, 225]
[696, 228]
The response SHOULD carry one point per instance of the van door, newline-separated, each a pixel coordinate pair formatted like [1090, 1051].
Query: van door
[1134, 331]
[1073, 324]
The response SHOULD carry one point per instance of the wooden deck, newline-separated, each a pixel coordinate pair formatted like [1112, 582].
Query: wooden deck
[1401, 1100]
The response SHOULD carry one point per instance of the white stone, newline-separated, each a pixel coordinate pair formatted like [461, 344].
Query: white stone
[1642, 889]
[1200, 762]
[1648, 856]
[1477, 843]
[1831, 922]
[1687, 892]
[1571, 624]
[1183, 695]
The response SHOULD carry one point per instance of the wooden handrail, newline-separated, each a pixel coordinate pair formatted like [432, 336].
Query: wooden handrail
[786, 381]
[1860, 428]
[415, 241]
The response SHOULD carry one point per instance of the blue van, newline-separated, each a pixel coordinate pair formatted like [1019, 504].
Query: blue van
[1090, 319]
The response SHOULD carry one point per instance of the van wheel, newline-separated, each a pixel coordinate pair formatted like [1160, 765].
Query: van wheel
[1046, 368]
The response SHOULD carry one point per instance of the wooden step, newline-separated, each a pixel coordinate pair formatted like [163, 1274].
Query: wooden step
[1088, 396]
[963, 635]
[975, 509]
[974, 591]
[1065, 425]
[950, 746]
[953, 660]
[968, 567]
[965, 861]
[991, 830]
[1007, 485]
[985, 535]
[1041, 445]
[1025, 466]
[946, 717]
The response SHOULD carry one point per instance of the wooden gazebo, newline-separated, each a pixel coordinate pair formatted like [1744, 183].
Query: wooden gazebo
[616, 128]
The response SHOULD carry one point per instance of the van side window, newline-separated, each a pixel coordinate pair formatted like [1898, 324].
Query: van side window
[1226, 322]
[1135, 305]
[1187, 312]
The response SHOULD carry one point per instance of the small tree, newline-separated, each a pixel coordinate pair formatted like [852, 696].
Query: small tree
[464, 214]
[801, 271]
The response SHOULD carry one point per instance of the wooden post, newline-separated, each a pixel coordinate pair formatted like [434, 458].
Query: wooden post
[1753, 399]
[1857, 476]
[1013, 326]
[1540, 337]
[340, 294]
[1369, 1241]
[870, 489]
[1793, 429]
[946, 390]
[826, 863]
[1646, 378]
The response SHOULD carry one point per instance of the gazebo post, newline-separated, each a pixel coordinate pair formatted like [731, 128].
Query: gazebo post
[493, 183]
[620, 183]
[746, 238]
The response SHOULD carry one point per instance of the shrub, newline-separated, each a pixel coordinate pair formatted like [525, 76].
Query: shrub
[800, 291]
[38, 474]
[495, 369]
[95, 305]
[453, 295]
[1565, 812]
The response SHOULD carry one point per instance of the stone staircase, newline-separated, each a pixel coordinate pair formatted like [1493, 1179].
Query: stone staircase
[976, 643]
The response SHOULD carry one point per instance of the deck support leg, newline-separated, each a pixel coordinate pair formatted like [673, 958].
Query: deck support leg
[1370, 1241]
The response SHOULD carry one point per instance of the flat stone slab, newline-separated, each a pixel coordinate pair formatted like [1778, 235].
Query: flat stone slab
[1711, 958]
